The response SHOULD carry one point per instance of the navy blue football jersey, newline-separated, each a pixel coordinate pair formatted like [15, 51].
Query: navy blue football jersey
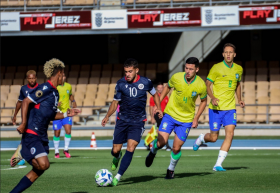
[45, 97]
[25, 90]
[132, 98]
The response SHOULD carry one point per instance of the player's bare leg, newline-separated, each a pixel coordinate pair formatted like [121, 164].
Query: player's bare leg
[117, 154]
[67, 139]
[56, 140]
[229, 129]
[175, 156]
[16, 156]
[131, 146]
[208, 137]
[40, 165]
[157, 144]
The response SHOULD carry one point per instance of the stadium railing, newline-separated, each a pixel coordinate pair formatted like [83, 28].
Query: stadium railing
[31, 5]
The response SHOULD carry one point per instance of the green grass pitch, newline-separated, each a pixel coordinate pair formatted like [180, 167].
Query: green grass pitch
[247, 171]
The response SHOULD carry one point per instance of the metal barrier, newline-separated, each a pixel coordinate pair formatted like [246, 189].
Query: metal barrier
[98, 110]
[96, 5]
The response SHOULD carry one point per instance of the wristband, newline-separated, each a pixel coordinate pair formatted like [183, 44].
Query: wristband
[65, 114]
[73, 101]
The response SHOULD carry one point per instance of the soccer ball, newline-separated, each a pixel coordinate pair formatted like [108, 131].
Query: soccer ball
[103, 177]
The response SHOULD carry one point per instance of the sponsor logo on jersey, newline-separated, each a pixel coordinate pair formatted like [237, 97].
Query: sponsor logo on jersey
[36, 128]
[39, 93]
[45, 87]
[215, 125]
[141, 86]
[236, 76]
[32, 150]
[126, 86]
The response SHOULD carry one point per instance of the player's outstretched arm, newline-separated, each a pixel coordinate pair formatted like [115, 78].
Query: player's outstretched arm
[201, 108]
[209, 92]
[157, 102]
[165, 91]
[74, 104]
[113, 107]
[24, 110]
[238, 94]
[18, 106]
[68, 113]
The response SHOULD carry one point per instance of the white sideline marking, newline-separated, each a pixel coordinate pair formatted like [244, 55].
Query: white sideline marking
[188, 148]
[19, 167]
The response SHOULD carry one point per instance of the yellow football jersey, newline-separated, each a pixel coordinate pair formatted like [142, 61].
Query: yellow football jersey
[224, 81]
[181, 105]
[65, 92]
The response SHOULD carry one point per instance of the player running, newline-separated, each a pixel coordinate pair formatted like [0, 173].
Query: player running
[155, 118]
[226, 77]
[180, 112]
[35, 122]
[32, 84]
[65, 93]
[131, 94]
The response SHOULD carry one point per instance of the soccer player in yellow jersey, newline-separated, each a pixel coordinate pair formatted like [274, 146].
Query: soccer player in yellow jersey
[225, 77]
[65, 93]
[180, 112]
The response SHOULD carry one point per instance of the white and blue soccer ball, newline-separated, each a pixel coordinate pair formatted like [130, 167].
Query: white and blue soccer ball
[103, 177]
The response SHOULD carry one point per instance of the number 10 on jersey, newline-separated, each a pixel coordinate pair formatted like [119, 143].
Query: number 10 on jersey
[133, 91]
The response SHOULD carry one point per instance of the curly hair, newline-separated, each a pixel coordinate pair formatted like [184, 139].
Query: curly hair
[51, 67]
[30, 72]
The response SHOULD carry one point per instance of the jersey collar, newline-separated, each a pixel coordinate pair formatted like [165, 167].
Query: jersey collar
[32, 87]
[138, 77]
[186, 80]
[227, 65]
[52, 84]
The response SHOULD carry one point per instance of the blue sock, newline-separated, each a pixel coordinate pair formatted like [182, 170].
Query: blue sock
[126, 160]
[23, 184]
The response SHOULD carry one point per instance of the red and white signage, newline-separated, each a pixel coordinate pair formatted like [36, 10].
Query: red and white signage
[55, 20]
[268, 14]
[180, 17]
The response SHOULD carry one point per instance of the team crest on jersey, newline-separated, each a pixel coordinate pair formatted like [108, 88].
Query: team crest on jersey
[215, 124]
[194, 94]
[32, 150]
[236, 76]
[55, 126]
[68, 91]
[39, 93]
[126, 86]
[141, 86]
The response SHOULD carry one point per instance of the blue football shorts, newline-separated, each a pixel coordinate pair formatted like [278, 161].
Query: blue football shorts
[33, 147]
[124, 131]
[168, 124]
[57, 124]
[218, 118]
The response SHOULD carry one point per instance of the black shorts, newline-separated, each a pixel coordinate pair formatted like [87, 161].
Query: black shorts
[33, 147]
[124, 131]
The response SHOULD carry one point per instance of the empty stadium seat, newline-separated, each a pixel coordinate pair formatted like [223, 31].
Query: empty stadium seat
[96, 67]
[11, 102]
[275, 114]
[262, 88]
[84, 74]
[115, 79]
[6, 82]
[81, 88]
[85, 68]
[6, 116]
[75, 68]
[86, 112]
[83, 81]
[117, 74]
[40, 75]
[32, 67]
[9, 75]
[240, 114]
[18, 82]
[15, 89]
[3, 69]
[250, 113]
[105, 80]
[40, 80]
[95, 74]
[72, 80]
[73, 74]
[93, 80]
[274, 77]
[5, 89]
[274, 85]
[22, 69]
[88, 102]
[100, 101]
[106, 73]
[11, 69]
[142, 69]
[107, 67]
[118, 67]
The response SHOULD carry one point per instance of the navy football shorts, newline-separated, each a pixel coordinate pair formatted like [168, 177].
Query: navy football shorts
[124, 131]
[33, 147]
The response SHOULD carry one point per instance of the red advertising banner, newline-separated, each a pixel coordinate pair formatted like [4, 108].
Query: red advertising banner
[261, 14]
[55, 20]
[150, 18]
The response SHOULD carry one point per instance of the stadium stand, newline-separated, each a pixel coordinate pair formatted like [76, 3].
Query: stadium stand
[94, 85]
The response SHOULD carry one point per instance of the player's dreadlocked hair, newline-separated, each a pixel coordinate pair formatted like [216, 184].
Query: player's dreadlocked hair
[52, 67]
[130, 62]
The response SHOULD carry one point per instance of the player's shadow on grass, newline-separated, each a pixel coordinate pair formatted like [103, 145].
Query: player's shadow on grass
[79, 192]
[137, 179]
[186, 175]
[236, 168]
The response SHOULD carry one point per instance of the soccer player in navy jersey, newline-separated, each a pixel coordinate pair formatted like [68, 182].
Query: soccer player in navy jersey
[130, 94]
[32, 84]
[37, 110]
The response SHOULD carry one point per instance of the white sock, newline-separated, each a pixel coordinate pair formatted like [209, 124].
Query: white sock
[200, 140]
[118, 176]
[67, 139]
[56, 145]
[222, 156]
[174, 160]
